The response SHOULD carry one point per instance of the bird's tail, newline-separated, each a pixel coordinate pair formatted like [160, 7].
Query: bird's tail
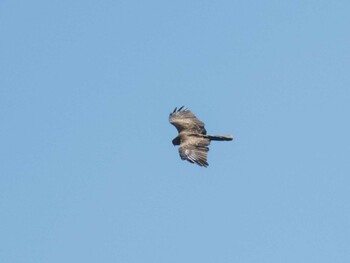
[219, 137]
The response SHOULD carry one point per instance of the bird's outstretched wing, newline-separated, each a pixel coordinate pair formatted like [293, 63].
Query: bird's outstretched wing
[195, 150]
[185, 121]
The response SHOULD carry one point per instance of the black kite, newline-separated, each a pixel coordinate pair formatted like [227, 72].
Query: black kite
[192, 139]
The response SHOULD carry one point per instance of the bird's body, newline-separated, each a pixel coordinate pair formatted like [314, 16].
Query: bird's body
[192, 139]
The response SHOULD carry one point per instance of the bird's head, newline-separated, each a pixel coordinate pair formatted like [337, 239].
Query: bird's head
[176, 141]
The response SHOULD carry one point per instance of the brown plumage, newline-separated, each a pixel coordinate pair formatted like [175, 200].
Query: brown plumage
[192, 139]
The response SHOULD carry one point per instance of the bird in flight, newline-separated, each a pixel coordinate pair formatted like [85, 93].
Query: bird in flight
[192, 139]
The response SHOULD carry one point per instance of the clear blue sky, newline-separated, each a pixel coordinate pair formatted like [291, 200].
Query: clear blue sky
[88, 172]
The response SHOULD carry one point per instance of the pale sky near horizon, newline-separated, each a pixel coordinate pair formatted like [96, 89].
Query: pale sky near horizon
[88, 172]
